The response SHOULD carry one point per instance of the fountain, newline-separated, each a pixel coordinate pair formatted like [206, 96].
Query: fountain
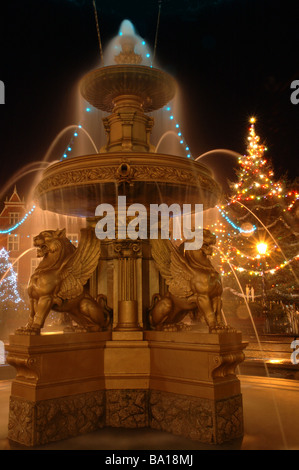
[128, 364]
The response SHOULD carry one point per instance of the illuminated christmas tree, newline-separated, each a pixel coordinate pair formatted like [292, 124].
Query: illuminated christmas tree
[11, 304]
[258, 236]
[9, 295]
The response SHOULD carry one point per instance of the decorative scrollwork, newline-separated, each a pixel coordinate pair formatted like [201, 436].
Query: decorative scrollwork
[226, 364]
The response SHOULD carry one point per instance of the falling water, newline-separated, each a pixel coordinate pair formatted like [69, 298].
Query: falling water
[225, 151]
[61, 134]
[260, 347]
[165, 135]
[21, 173]
[114, 46]
[52, 146]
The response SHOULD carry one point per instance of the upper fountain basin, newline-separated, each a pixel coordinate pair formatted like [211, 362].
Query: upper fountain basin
[102, 86]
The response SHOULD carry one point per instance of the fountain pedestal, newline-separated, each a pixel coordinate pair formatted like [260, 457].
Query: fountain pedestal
[180, 382]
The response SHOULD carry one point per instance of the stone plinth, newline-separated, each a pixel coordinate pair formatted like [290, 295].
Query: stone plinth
[179, 382]
[58, 391]
[194, 391]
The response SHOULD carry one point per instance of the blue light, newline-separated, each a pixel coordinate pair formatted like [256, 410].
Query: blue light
[88, 109]
[148, 55]
[69, 149]
[143, 43]
[235, 226]
[17, 224]
[187, 148]
[80, 127]
[177, 125]
[120, 33]
[168, 108]
[188, 155]
[179, 134]
[171, 117]
[75, 134]
[181, 141]
[64, 155]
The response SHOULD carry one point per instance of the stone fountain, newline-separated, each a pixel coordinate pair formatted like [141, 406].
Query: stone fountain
[133, 363]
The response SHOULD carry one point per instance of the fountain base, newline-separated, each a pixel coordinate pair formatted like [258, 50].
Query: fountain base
[75, 383]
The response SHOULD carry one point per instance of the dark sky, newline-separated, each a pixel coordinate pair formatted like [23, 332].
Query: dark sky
[231, 58]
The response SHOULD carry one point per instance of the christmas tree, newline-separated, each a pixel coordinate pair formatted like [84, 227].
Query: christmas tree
[9, 295]
[11, 304]
[258, 235]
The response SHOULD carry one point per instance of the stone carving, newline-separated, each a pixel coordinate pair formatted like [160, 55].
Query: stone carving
[21, 421]
[28, 367]
[194, 285]
[229, 416]
[199, 419]
[51, 420]
[137, 173]
[227, 363]
[126, 408]
[189, 417]
[126, 248]
[125, 173]
[58, 281]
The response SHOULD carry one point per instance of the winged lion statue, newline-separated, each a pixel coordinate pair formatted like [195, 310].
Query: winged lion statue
[59, 279]
[193, 285]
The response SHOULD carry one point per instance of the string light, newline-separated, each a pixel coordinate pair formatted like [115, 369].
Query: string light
[179, 133]
[260, 273]
[234, 225]
[8, 291]
[14, 227]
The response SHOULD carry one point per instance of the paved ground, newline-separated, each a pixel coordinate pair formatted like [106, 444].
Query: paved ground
[271, 421]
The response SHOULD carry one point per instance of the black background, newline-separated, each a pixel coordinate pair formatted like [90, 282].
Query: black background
[231, 58]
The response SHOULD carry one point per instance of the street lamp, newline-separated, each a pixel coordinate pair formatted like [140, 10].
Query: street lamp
[262, 248]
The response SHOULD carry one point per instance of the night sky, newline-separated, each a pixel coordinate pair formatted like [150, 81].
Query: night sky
[231, 58]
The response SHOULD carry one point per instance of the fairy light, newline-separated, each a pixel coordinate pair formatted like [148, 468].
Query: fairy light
[259, 273]
[233, 224]
[14, 227]
[179, 133]
[69, 148]
[9, 291]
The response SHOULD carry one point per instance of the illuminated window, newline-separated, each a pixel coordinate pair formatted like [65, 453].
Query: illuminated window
[34, 263]
[13, 242]
[14, 218]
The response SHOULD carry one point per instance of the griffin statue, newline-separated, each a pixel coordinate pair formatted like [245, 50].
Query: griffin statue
[59, 279]
[193, 285]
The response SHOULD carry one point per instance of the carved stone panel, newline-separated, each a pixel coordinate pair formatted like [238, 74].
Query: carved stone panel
[126, 408]
[36, 423]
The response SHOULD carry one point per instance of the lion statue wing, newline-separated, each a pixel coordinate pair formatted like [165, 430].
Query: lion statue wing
[80, 265]
[172, 267]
